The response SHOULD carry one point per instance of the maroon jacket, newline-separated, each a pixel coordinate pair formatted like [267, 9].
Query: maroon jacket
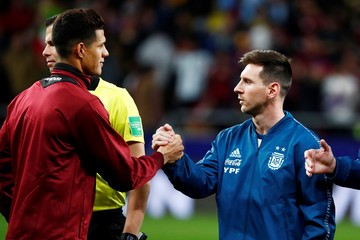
[55, 138]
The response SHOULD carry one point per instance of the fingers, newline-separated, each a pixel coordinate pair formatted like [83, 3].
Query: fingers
[178, 148]
[172, 151]
[178, 141]
[319, 161]
[309, 174]
[325, 146]
[309, 167]
[163, 136]
[160, 140]
[309, 162]
[168, 127]
[306, 154]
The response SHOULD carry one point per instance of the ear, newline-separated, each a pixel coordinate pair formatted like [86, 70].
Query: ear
[80, 49]
[274, 90]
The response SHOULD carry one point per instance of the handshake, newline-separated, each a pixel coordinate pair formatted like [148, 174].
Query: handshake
[167, 142]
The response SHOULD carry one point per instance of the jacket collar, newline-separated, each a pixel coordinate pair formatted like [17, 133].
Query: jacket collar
[94, 83]
[62, 68]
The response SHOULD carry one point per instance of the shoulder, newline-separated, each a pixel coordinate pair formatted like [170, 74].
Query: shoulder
[304, 131]
[304, 135]
[112, 89]
[64, 95]
[235, 130]
[103, 84]
[116, 100]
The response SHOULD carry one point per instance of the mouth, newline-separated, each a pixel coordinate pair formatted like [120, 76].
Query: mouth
[50, 63]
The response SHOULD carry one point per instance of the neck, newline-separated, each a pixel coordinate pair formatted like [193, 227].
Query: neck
[73, 62]
[266, 120]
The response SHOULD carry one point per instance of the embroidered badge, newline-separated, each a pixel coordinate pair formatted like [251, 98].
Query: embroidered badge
[135, 126]
[276, 160]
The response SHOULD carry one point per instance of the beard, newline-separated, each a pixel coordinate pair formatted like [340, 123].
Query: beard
[254, 108]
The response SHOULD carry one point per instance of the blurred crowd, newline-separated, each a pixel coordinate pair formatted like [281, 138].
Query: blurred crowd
[173, 55]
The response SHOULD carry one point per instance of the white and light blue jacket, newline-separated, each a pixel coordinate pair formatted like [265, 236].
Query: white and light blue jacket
[262, 192]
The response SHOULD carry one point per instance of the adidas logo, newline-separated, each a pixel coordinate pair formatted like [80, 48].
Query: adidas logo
[235, 154]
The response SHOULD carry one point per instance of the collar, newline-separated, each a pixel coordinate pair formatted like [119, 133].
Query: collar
[59, 67]
[94, 83]
[275, 127]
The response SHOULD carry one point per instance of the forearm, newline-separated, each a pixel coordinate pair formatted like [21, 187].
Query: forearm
[347, 172]
[110, 154]
[136, 209]
[195, 181]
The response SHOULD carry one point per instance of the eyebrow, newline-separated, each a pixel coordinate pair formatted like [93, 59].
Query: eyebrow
[50, 42]
[246, 78]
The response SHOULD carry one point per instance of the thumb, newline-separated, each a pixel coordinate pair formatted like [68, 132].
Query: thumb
[325, 146]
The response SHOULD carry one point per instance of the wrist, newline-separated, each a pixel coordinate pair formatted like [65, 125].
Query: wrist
[333, 165]
[128, 236]
[142, 236]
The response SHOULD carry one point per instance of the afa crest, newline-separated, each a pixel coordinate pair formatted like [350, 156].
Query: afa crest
[276, 160]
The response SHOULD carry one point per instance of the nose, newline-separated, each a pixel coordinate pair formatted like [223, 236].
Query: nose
[237, 87]
[105, 52]
[45, 52]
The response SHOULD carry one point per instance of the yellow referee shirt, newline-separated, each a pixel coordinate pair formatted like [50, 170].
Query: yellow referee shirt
[125, 119]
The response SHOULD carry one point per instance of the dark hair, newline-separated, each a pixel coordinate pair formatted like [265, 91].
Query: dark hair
[276, 67]
[49, 21]
[74, 26]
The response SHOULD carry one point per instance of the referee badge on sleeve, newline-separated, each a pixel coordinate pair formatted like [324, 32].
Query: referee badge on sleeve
[135, 126]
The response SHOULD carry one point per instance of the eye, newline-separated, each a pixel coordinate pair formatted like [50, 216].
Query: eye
[247, 81]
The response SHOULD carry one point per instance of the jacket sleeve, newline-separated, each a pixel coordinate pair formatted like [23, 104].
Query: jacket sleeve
[196, 180]
[103, 150]
[6, 176]
[315, 197]
[347, 173]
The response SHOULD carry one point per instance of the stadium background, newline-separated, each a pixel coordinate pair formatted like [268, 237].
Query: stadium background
[178, 59]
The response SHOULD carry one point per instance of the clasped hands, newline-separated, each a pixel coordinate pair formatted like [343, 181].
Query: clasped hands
[166, 141]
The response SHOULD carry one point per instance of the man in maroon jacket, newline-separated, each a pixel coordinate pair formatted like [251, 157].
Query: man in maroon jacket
[57, 135]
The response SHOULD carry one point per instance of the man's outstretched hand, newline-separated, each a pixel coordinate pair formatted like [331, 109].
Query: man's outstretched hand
[319, 160]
